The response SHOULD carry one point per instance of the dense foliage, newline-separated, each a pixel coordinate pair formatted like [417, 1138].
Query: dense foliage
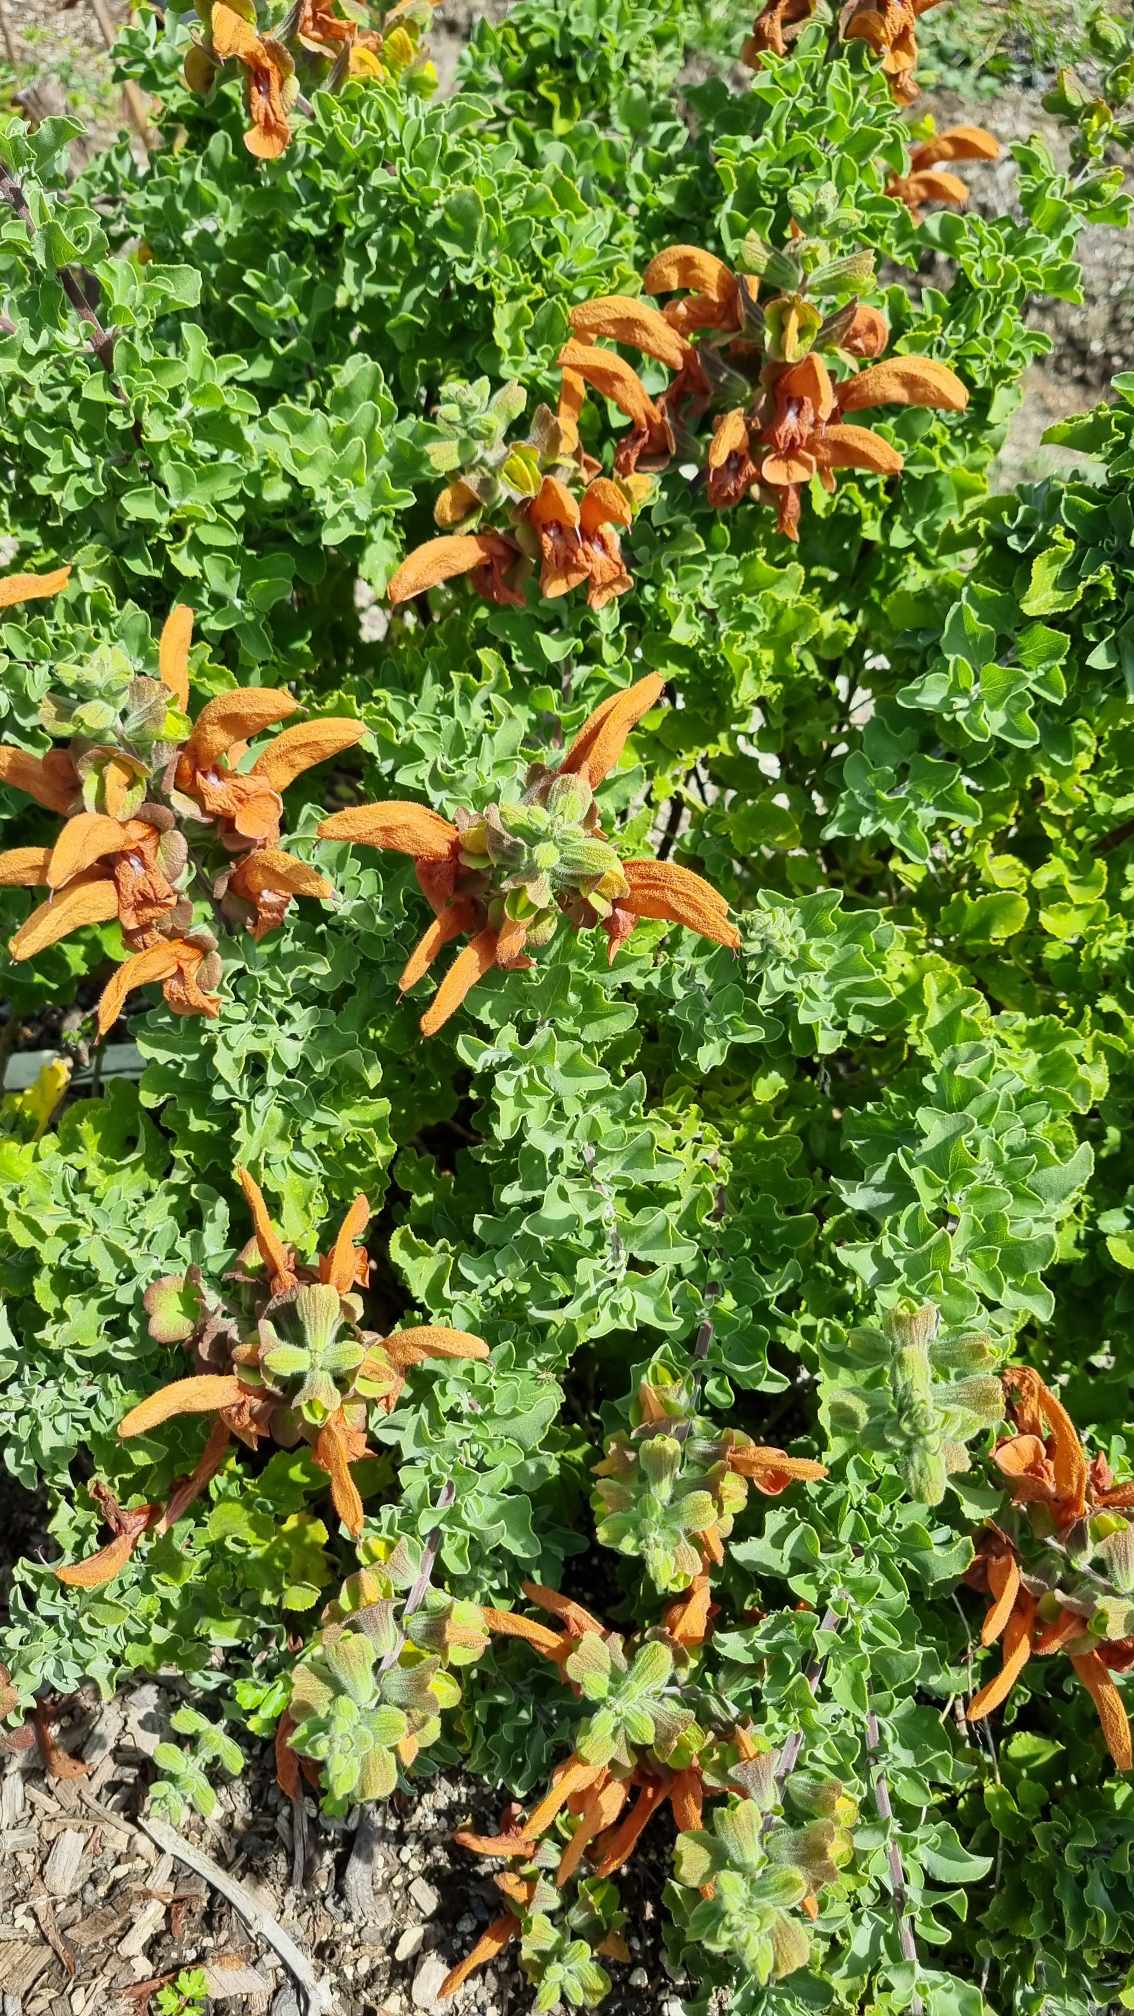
[751, 1303]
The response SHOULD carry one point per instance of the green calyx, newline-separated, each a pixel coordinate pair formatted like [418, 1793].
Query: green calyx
[541, 851]
[304, 1357]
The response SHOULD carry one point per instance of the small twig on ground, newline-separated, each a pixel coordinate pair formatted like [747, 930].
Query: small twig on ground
[320, 2000]
[906, 1939]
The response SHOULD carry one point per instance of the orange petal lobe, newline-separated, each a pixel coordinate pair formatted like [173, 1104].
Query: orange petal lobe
[904, 381]
[637, 323]
[602, 737]
[24, 867]
[661, 889]
[445, 558]
[173, 652]
[94, 902]
[297, 749]
[470, 965]
[206, 1393]
[407, 829]
[32, 587]
[276, 1257]
[343, 1270]
[231, 718]
[1108, 1705]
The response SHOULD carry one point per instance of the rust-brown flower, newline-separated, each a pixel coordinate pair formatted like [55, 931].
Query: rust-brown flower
[503, 879]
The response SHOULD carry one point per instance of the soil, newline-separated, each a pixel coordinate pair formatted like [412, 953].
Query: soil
[93, 1915]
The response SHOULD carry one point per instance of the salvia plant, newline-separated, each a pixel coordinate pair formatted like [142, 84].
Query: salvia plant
[676, 1383]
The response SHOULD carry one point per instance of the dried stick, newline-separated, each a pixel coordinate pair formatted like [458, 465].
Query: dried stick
[898, 1889]
[320, 2000]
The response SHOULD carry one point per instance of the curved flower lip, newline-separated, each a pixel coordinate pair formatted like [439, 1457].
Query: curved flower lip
[603, 736]
[173, 653]
[956, 143]
[444, 559]
[904, 381]
[662, 889]
[32, 587]
[636, 323]
[271, 87]
[176, 962]
[51, 780]
[226, 721]
[408, 829]
[90, 899]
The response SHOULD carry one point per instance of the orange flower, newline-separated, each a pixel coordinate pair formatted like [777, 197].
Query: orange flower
[715, 295]
[504, 878]
[576, 540]
[269, 74]
[485, 556]
[803, 428]
[32, 587]
[650, 439]
[890, 30]
[781, 23]
[1045, 1466]
[927, 182]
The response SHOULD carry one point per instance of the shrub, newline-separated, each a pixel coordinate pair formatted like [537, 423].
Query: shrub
[743, 1281]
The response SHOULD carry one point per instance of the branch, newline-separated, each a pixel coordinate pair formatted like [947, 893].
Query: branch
[100, 340]
[789, 1755]
[893, 1855]
[416, 1596]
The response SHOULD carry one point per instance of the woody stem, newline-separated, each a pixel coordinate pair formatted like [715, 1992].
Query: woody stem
[898, 1890]
[101, 340]
[416, 1596]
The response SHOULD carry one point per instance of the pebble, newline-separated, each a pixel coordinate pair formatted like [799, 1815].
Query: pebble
[466, 1924]
[424, 1896]
[431, 1972]
[639, 1978]
[411, 1942]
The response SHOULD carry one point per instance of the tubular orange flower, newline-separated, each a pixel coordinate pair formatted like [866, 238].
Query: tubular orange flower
[714, 297]
[650, 439]
[492, 1942]
[927, 183]
[408, 829]
[346, 1264]
[32, 587]
[636, 323]
[732, 471]
[51, 780]
[187, 969]
[617, 1846]
[330, 1452]
[470, 965]
[91, 900]
[1017, 1643]
[1113, 1719]
[661, 889]
[270, 87]
[780, 24]
[278, 1259]
[603, 736]
[772, 1470]
[601, 1808]
[904, 381]
[485, 555]
[890, 30]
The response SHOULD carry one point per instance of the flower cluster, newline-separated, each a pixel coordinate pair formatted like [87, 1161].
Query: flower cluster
[146, 794]
[777, 379]
[890, 30]
[314, 36]
[641, 1747]
[505, 877]
[289, 1360]
[1060, 1570]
